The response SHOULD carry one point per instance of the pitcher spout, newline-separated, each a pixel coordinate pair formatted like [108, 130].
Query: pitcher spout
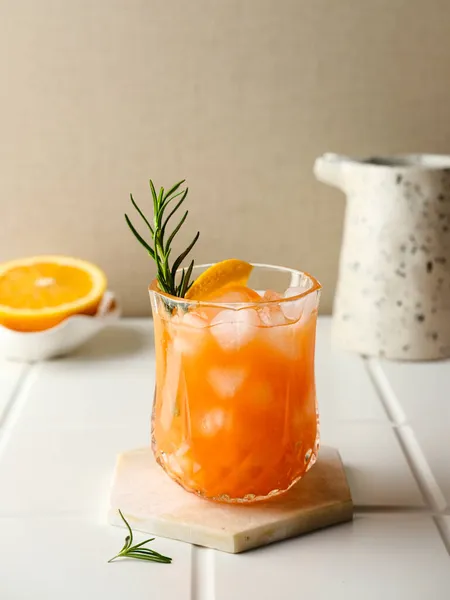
[328, 168]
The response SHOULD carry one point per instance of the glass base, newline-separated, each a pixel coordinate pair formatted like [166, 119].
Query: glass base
[225, 498]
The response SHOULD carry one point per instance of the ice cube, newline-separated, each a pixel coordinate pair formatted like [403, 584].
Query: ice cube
[309, 305]
[173, 464]
[186, 342]
[235, 294]
[233, 329]
[294, 291]
[272, 316]
[188, 332]
[183, 449]
[213, 421]
[272, 296]
[285, 339]
[180, 462]
[282, 340]
[193, 319]
[293, 310]
[226, 381]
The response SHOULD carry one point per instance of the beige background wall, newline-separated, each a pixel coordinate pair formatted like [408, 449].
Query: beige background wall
[238, 96]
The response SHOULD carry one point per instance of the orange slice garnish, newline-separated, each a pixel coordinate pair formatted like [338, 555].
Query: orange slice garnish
[39, 292]
[230, 272]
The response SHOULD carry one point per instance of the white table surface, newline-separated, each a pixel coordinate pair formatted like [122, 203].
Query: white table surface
[63, 422]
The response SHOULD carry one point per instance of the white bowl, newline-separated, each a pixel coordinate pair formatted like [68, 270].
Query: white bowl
[59, 340]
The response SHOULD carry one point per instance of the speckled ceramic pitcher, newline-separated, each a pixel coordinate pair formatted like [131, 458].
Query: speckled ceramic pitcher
[393, 292]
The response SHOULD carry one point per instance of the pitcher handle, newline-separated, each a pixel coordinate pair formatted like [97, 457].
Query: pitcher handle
[328, 169]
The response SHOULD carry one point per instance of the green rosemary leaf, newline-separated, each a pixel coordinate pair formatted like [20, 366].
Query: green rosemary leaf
[139, 237]
[173, 211]
[165, 203]
[180, 286]
[142, 543]
[124, 548]
[130, 537]
[163, 262]
[160, 199]
[160, 273]
[114, 557]
[173, 189]
[155, 559]
[141, 213]
[186, 279]
[147, 552]
[155, 197]
[183, 255]
[137, 551]
[160, 249]
[177, 229]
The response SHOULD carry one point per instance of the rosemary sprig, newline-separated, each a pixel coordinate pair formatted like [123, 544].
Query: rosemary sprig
[138, 551]
[158, 246]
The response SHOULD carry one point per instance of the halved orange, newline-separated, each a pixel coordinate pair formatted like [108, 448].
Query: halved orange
[230, 272]
[39, 292]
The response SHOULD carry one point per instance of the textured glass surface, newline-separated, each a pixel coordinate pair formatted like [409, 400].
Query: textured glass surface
[235, 416]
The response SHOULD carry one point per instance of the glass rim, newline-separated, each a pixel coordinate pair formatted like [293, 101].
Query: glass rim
[176, 300]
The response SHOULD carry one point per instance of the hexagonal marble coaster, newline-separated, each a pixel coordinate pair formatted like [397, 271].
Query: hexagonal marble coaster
[153, 503]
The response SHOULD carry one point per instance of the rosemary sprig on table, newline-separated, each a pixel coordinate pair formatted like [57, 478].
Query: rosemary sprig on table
[159, 247]
[137, 551]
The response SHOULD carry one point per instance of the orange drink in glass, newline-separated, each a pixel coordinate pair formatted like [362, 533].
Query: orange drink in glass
[235, 415]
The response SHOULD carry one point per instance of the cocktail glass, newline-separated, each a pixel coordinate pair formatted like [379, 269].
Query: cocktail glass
[235, 415]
